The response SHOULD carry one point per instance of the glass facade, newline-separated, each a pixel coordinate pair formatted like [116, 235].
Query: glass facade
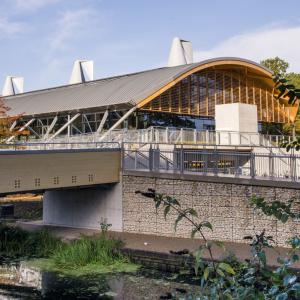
[197, 95]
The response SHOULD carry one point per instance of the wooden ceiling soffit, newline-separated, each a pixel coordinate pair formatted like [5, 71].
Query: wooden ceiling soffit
[258, 69]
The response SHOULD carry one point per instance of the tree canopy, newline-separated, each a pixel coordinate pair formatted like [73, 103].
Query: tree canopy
[278, 65]
[6, 122]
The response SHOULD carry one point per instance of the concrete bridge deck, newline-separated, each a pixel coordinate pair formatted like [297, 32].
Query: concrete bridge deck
[24, 170]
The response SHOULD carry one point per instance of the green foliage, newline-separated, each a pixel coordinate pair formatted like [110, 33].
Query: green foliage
[292, 145]
[16, 242]
[88, 250]
[280, 210]
[292, 128]
[294, 79]
[232, 279]
[87, 254]
[276, 64]
[286, 89]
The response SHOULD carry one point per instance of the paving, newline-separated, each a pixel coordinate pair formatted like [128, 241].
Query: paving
[161, 244]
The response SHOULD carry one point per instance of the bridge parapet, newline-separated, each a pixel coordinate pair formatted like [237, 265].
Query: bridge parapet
[40, 167]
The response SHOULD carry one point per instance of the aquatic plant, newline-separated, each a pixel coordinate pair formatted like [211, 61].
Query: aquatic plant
[16, 242]
[89, 250]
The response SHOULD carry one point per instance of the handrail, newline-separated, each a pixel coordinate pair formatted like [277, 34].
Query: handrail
[216, 162]
[58, 146]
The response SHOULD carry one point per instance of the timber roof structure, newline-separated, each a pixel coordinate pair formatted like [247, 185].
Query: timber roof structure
[136, 89]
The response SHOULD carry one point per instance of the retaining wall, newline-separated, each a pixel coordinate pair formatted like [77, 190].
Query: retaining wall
[225, 205]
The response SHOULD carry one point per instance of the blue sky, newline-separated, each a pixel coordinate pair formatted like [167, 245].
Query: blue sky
[40, 39]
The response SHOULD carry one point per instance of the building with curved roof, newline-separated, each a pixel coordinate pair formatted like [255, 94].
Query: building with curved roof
[189, 91]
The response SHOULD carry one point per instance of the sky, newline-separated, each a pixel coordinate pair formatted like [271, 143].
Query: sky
[40, 39]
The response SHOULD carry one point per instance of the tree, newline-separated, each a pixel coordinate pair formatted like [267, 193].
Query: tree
[294, 79]
[6, 122]
[292, 128]
[293, 95]
[277, 65]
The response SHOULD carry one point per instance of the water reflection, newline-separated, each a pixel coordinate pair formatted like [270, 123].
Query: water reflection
[23, 282]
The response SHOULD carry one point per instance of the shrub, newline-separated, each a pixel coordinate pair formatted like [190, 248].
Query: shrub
[89, 250]
[249, 280]
[16, 242]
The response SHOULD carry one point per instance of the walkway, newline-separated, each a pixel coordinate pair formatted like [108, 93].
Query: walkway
[161, 244]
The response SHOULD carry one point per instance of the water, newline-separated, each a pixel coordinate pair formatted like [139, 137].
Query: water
[22, 282]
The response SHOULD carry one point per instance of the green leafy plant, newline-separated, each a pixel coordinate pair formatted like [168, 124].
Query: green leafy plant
[89, 250]
[18, 243]
[232, 279]
[280, 210]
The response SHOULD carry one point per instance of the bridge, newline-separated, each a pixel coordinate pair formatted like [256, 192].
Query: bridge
[49, 166]
[84, 183]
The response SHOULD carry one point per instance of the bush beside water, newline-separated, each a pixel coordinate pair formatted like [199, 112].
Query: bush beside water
[89, 250]
[17, 243]
[85, 255]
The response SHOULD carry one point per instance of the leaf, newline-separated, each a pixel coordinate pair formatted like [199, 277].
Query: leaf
[220, 245]
[273, 290]
[262, 257]
[194, 231]
[175, 202]
[284, 218]
[207, 225]
[282, 296]
[220, 272]
[157, 203]
[192, 212]
[289, 279]
[226, 267]
[179, 218]
[206, 273]
[295, 287]
[166, 211]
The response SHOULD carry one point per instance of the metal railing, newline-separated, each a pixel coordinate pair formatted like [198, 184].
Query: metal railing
[58, 146]
[174, 135]
[214, 162]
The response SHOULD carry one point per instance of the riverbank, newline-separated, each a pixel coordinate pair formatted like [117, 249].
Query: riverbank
[159, 246]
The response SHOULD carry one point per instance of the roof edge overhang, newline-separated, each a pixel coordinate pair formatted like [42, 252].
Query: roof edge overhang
[196, 67]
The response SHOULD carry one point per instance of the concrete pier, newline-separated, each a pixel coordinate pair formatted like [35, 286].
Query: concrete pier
[84, 208]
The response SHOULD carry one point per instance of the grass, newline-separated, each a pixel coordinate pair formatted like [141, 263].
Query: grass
[96, 254]
[48, 264]
[89, 250]
[18, 243]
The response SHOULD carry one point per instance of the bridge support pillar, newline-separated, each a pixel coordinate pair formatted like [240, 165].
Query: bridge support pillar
[84, 208]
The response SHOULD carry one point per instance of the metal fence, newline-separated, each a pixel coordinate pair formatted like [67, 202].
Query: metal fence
[212, 162]
[174, 135]
[58, 146]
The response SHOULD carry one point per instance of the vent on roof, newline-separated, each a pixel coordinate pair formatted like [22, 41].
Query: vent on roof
[83, 70]
[181, 53]
[13, 85]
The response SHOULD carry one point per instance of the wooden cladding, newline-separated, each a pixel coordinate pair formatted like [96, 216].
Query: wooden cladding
[198, 94]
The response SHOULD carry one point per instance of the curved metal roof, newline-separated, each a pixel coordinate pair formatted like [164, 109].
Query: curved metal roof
[130, 89]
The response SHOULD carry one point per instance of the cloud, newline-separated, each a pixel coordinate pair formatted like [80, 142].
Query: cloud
[258, 45]
[72, 25]
[9, 29]
[32, 5]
